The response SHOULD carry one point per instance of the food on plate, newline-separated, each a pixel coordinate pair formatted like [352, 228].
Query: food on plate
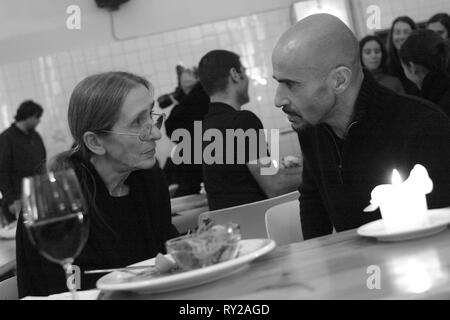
[209, 245]
[164, 263]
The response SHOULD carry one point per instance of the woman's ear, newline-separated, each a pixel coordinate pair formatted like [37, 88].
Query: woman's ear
[341, 79]
[93, 143]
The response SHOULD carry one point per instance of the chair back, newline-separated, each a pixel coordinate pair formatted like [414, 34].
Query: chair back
[251, 216]
[283, 223]
[8, 289]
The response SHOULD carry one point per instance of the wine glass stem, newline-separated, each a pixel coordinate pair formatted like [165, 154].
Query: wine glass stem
[69, 280]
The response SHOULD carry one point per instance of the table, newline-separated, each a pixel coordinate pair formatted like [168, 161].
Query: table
[7, 256]
[338, 266]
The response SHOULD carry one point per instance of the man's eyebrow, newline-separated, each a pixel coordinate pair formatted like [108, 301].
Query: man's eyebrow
[283, 80]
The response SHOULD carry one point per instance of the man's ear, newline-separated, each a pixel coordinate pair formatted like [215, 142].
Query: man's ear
[341, 79]
[235, 75]
[93, 143]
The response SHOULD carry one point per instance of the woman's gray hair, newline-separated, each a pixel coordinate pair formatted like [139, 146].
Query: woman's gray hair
[95, 105]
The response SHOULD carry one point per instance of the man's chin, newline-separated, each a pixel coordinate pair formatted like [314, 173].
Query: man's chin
[299, 126]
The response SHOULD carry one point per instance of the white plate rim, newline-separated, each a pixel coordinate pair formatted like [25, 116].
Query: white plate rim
[439, 219]
[178, 280]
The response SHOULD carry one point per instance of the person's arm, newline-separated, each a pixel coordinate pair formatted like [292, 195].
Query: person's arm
[313, 216]
[6, 167]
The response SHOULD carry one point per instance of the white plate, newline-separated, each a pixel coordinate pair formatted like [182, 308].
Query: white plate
[439, 219]
[248, 251]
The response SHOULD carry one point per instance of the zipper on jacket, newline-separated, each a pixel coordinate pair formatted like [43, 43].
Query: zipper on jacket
[340, 155]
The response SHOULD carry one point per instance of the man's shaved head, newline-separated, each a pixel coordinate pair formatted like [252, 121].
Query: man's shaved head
[317, 65]
[320, 41]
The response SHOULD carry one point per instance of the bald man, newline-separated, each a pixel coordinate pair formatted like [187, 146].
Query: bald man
[352, 131]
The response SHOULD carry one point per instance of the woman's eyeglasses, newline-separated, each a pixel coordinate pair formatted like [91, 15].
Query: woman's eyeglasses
[156, 119]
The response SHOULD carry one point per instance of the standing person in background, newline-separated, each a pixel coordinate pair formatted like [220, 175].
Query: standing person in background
[22, 154]
[400, 30]
[193, 107]
[374, 57]
[440, 23]
[425, 59]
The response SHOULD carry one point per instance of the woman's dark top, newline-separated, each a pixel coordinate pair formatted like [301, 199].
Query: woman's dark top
[122, 231]
[436, 88]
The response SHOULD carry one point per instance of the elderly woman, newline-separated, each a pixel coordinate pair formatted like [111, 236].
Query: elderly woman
[111, 120]
[373, 57]
[425, 59]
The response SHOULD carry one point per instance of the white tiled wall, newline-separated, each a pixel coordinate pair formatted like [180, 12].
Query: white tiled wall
[418, 10]
[49, 80]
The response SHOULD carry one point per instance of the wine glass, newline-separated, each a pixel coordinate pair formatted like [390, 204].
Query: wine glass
[54, 215]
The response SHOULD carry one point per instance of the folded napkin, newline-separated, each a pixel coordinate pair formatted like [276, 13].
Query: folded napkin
[82, 295]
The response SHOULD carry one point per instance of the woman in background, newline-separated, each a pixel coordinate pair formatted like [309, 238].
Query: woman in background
[425, 60]
[400, 30]
[373, 57]
[115, 132]
[440, 23]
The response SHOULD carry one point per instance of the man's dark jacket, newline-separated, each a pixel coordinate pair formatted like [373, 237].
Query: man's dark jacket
[388, 131]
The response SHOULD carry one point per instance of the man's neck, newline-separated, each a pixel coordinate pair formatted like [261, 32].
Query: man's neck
[114, 180]
[227, 99]
[344, 112]
[22, 127]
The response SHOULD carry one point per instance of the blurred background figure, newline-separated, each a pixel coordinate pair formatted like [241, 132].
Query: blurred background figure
[22, 154]
[425, 60]
[400, 30]
[168, 99]
[440, 23]
[192, 106]
[374, 57]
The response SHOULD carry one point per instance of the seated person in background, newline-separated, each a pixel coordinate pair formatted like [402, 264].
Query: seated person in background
[373, 58]
[114, 160]
[400, 30]
[224, 79]
[192, 107]
[353, 132]
[440, 23]
[425, 59]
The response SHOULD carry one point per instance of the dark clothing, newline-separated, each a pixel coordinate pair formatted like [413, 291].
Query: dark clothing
[388, 81]
[389, 131]
[396, 70]
[21, 155]
[191, 108]
[436, 88]
[229, 185]
[122, 231]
